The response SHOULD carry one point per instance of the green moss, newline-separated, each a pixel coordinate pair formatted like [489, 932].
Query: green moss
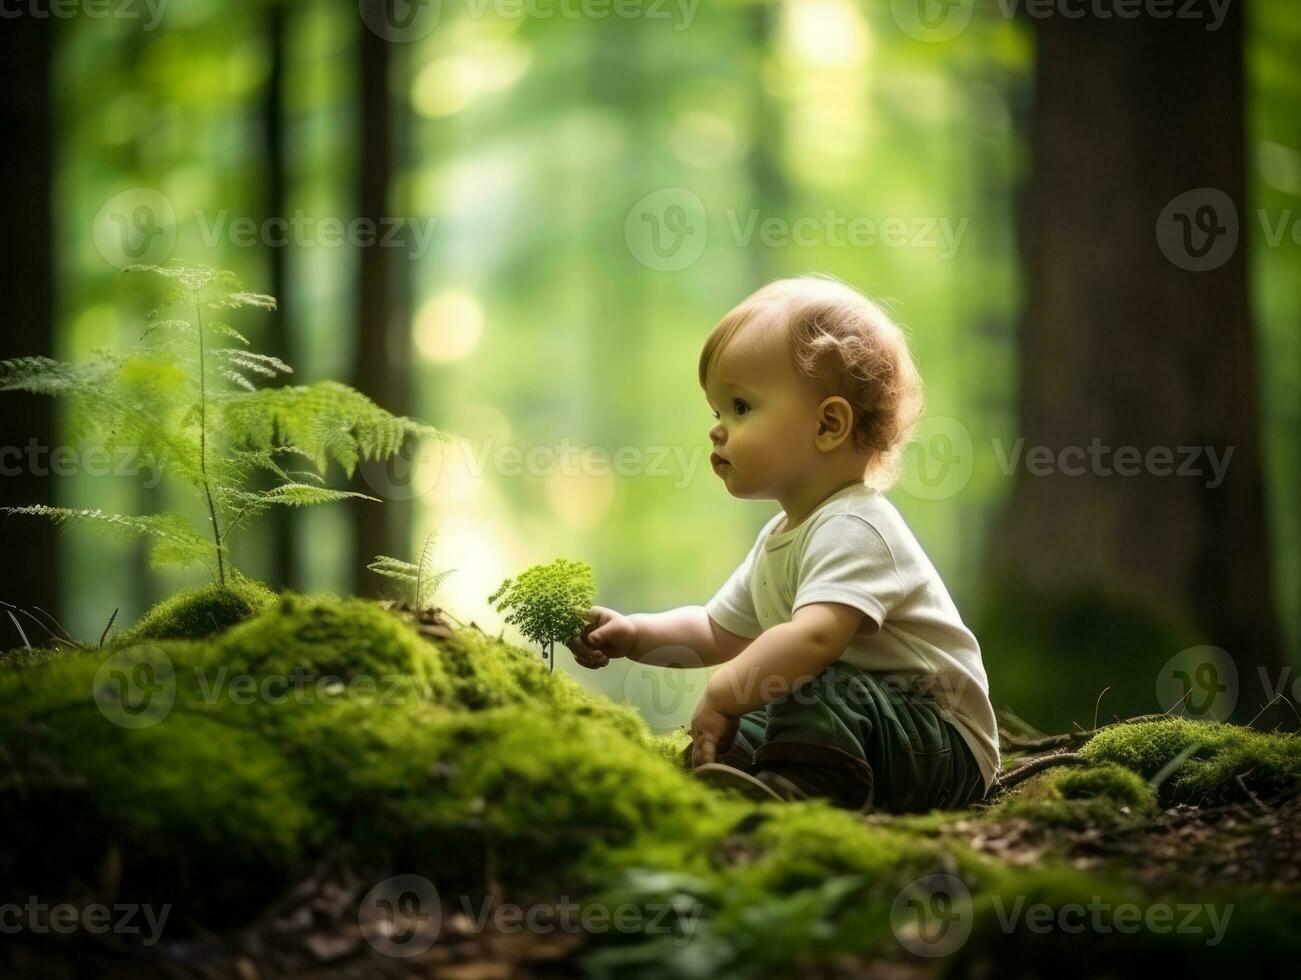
[21, 657]
[193, 793]
[352, 641]
[1221, 762]
[487, 763]
[1101, 795]
[200, 612]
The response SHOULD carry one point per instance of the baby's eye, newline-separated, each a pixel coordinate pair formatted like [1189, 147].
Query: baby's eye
[739, 406]
[713, 413]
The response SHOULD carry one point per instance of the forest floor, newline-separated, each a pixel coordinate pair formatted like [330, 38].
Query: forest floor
[475, 831]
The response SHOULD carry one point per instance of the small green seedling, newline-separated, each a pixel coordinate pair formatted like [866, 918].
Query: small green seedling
[420, 579]
[548, 603]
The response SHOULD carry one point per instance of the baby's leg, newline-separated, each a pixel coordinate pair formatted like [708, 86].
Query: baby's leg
[851, 724]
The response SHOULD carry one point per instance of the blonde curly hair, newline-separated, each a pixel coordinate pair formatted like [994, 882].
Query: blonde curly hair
[845, 345]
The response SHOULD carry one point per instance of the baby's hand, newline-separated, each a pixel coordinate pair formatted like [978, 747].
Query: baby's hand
[607, 635]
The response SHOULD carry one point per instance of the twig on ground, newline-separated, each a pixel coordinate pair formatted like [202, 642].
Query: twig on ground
[1024, 771]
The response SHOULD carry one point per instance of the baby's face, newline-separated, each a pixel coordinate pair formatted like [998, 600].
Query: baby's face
[763, 440]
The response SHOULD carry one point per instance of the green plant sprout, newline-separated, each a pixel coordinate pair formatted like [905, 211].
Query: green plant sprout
[420, 578]
[186, 406]
[548, 603]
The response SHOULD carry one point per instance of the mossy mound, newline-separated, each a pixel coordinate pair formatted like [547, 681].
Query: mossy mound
[304, 639]
[197, 613]
[1203, 762]
[1102, 795]
[125, 753]
[220, 771]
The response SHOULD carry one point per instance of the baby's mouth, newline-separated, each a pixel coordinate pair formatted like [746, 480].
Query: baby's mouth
[717, 461]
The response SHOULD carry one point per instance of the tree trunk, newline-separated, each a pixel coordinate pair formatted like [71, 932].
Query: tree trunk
[1124, 344]
[28, 573]
[284, 521]
[379, 362]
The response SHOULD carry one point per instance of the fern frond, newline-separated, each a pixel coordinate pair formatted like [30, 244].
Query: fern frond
[234, 301]
[327, 420]
[394, 568]
[307, 494]
[247, 505]
[263, 364]
[174, 540]
[234, 377]
[191, 278]
[167, 326]
[226, 330]
[45, 376]
[419, 577]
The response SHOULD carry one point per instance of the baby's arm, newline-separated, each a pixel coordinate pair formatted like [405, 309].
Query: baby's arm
[682, 637]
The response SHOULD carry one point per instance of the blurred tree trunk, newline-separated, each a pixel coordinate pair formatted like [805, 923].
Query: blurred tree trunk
[28, 574]
[284, 521]
[1121, 346]
[380, 362]
[769, 190]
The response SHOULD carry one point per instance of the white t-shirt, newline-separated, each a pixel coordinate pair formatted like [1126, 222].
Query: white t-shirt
[855, 549]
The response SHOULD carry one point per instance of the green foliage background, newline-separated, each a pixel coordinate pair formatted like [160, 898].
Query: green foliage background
[532, 322]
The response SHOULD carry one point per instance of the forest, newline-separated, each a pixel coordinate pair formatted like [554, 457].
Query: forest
[351, 369]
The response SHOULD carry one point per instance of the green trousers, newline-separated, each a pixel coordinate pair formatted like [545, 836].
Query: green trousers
[866, 741]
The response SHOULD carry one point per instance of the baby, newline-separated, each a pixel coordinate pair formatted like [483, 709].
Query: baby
[846, 671]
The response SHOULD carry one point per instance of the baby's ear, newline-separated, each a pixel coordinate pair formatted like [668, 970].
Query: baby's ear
[835, 421]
